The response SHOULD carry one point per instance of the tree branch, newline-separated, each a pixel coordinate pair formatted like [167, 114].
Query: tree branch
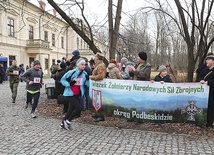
[74, 26]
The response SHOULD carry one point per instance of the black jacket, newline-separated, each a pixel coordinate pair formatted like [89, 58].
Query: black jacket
[165, 79]
[59, 87]
[88, 69]
[199, 70]
[73, 61]
[208, 75]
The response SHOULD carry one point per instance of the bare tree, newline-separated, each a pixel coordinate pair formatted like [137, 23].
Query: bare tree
[135, 36]
[193, 19]
[199, 21]
[79, 30]
[114, 30]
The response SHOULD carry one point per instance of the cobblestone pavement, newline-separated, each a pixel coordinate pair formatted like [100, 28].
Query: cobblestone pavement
[22, 135]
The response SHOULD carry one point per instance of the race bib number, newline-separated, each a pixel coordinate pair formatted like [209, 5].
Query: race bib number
[16, 72]
[78, 81]
[36, 80]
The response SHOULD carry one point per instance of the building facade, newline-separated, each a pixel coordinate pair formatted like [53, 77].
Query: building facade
[29, 33]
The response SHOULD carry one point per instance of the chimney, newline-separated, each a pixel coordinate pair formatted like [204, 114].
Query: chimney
[42, 4]
[54, 12]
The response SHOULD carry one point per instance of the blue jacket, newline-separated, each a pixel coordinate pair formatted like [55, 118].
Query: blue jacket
[73, 74]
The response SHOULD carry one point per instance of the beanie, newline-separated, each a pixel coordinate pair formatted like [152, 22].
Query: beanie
[100, 56]
[162, 68]
[113, 61]
[36, 62]
[63, 65]
[124, 60]
[143, 55]
[76, 53]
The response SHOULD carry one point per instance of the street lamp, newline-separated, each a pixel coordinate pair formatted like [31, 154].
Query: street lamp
[119, 46]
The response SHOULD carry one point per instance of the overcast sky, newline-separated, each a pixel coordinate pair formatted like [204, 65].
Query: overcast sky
[96, 10]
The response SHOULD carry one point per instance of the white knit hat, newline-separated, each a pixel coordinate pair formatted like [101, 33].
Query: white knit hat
[124, 60]
[162, 68]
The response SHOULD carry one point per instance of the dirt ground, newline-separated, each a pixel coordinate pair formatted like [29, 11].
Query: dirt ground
[50, 108]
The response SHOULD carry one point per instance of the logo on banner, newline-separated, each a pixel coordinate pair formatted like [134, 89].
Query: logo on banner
[191, 110]
[97, 99]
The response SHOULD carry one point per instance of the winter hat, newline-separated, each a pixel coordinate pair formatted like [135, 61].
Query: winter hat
[113, 61]
[79, 61]
[36, 62]
[76, 53]
[162, 68]
[124, 60]
[63, 65]
[211, 56]
[143, 55]
[100, 56]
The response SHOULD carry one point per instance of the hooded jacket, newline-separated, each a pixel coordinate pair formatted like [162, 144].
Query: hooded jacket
[114, 72]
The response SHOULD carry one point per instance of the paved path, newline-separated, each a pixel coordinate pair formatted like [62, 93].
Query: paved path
[22, 135]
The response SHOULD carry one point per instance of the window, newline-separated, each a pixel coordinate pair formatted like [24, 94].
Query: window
[10, 23]
[77, 43]
[30, 32]
[11, 58]
[53, 39]
[62, 42]
[46, 63]
[31, 59]
[81, 44]
[53, 61]
[46, 36]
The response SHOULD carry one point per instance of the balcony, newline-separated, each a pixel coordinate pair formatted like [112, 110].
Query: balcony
[37, 46]
[37, 43]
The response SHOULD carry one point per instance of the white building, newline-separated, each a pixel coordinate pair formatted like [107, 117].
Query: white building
[29, 33]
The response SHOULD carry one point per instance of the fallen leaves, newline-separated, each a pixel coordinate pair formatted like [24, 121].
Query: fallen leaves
[50, 108]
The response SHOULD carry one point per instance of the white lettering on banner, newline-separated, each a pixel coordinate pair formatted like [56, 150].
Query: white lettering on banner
[154, 116]
[143, 115]
[121, 113]
[36, 80]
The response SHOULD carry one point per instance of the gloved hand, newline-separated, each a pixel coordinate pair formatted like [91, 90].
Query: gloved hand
[72, 82]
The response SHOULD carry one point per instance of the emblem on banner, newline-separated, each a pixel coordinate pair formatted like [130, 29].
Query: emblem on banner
[191, 110]
[97, 99]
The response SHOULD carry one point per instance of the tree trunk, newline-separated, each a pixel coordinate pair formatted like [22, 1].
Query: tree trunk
[191, 63]
[110, 25]
[115, 32]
